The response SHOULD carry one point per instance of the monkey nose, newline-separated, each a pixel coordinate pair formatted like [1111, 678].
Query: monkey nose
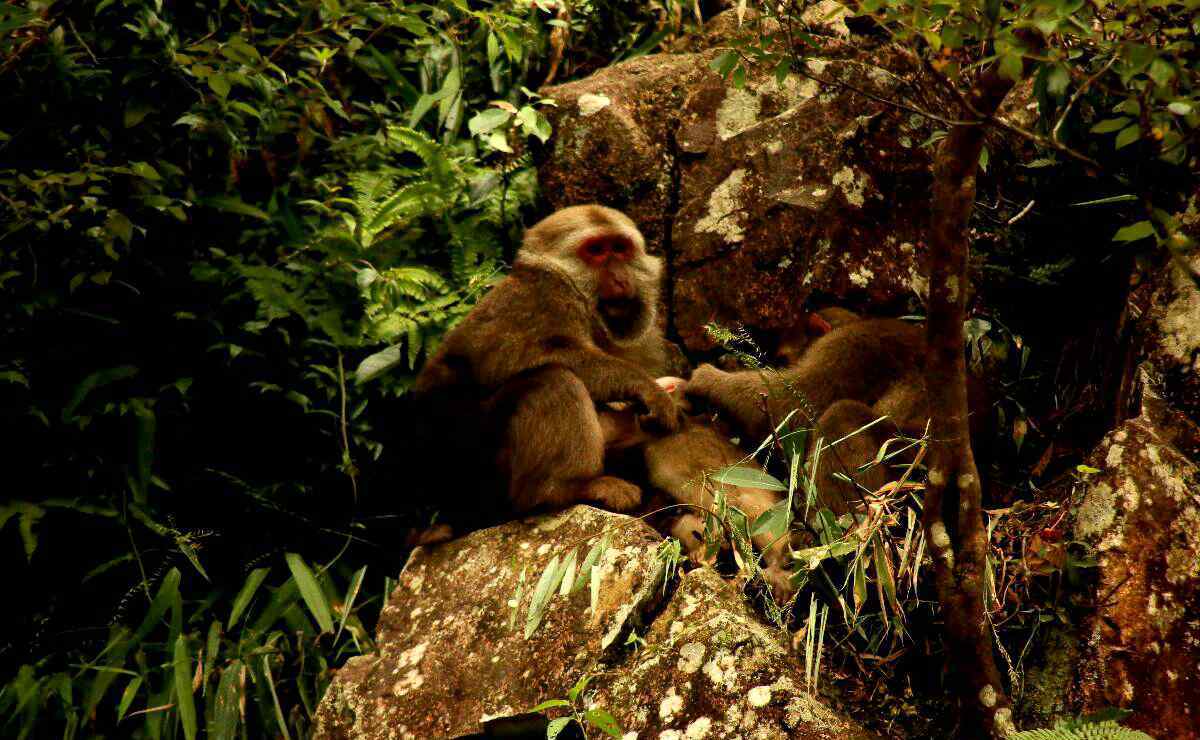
[616, 288]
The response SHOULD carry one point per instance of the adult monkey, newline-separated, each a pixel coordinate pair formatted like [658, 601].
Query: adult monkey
[843, 380]
[574, 324]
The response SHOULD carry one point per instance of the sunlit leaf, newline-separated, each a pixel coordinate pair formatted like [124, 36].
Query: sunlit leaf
[310, 591]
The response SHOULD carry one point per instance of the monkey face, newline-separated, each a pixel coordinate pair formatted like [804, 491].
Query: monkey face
[602, 252]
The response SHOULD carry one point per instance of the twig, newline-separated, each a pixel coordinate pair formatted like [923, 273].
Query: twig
[1078, 94]
[1028, 207]
[348, 461]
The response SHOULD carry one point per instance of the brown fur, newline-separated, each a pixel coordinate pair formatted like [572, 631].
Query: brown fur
[542, 350]
[681, 464]
[795, 341]
[843, 380]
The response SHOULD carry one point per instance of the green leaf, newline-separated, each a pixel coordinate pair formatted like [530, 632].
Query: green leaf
[738, 78]
[1105, 201]
[183, 688]
[546, 587]
[232, 204]
[348, 602]
[550, 704]
[1134, 232]
[190, 553]
[498, 141]
[27, 514]
[144, 170]
[579, 687]
[1162, 72]
[310, 591]
[589, 562]
[136, 112]
[724, 63]
[275, 698]
[1011, 66]
[1110, 125]
[774, 521]
[249, 588]
[1128, 136]
[1057, 79]
[487, 120]
[556, 726]
[219, 84]
[603, 721]
[98, 379]
[1180, 107]
[128, 696]
[379, 363]
[741, 475]
[223, 723]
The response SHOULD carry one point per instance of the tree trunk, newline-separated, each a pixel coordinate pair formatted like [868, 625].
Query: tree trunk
[959, 551]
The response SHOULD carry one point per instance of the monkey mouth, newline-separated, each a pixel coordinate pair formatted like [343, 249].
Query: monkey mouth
[623, 316]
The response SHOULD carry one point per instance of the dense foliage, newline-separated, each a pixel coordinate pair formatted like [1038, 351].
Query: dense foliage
[231, 231]
[213, 213]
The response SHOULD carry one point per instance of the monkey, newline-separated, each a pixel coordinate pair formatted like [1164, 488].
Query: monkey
[573, 325]
[845, 379]
[812, 325]
[681, 465]
[794, 340]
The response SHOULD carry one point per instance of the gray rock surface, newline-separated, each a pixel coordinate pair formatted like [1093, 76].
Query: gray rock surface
[451, 655]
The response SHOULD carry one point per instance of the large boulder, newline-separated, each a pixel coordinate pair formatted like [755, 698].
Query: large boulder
[764, 195]
[1142, 642]
[453, 652]
[1138, 644]
[1174, 344]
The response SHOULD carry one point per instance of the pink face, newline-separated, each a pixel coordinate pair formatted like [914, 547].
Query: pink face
[609, 255]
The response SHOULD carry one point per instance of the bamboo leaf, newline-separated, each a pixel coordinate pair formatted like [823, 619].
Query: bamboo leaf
[348, 603]
[223, 723]
[128, 696]
[249, 588]
[310, 591]
[741, 475]
[275, 698]
[183, 688]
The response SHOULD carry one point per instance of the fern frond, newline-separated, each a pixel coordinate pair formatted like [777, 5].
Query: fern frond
[405, 204]
[435, 156]
[1073, 730]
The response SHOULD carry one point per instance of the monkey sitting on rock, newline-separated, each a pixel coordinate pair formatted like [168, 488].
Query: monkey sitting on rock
[572, 326]
[544, 355]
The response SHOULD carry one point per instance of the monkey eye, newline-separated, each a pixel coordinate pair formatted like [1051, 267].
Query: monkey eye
[620, 248]
[595, 249]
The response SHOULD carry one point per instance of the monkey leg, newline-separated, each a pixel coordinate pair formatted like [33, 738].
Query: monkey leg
[840, 423]
[678, 465]
[554, 447]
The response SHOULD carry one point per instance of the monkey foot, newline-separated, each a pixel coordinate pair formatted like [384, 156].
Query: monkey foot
[613, 493]
[780, 581]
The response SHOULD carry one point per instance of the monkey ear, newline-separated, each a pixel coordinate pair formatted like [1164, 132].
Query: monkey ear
[817, 325]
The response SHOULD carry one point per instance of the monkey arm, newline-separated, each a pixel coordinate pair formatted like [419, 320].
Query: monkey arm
[608, 378]
[741, 397]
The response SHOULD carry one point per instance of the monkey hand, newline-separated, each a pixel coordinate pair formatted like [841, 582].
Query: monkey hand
[663, 413]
